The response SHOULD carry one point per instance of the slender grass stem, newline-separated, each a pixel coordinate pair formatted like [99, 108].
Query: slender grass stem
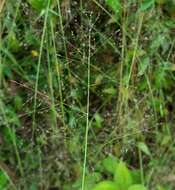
[1, 66]
[38, 70]
[120, 99]
[87, 116]
[50, 81]
[141, 166]
[63, 37]
[8, 177]
[135, 49]
[57, 65]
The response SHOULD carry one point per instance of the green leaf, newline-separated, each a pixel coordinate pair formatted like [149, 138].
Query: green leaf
[106, 185]
[136, 176]
[13, 43]
[146, 5]
[110, 91]
[3, 180]
[144, 148]
[162, 77]
[110, 164]
[98, 120]
[38, 4]
[137, 187]
[115, 5]
[18, 103]
[143, 66]
[123, 176]
[166, 140]
[9, 135]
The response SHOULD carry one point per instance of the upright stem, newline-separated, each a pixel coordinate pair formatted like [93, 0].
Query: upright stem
[87, 112]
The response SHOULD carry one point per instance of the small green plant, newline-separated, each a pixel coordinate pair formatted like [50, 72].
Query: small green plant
[3, 180]
[123, 180]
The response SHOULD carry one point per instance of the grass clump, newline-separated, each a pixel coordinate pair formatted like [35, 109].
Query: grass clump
[87, 94]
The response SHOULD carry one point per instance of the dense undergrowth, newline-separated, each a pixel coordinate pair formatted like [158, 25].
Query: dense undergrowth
[87, 87]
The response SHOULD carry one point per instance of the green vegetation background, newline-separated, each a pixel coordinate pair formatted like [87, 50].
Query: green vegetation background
[83, 86]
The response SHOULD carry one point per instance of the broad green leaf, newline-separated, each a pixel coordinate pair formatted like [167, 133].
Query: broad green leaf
[144, 148]
[136, 176]
[115, 5]
[110, 164]
[147, 4]
[123, 176]
[166, 140]
[106, 185]
[137, 187]
[38, 4]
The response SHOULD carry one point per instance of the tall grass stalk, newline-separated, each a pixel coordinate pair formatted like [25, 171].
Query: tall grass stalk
[87, 110]
[59, 78]
[38, 69]
[63, 39]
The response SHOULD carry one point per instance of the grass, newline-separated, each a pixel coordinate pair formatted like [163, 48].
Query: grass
[38, 67]
[84, 83]
[87, 112]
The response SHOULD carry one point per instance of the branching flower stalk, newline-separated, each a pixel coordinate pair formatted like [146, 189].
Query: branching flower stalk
[87, 111]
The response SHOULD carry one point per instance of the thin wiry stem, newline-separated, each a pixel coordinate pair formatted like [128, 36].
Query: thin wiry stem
[3, 169]
[120, 97]
[87, 115]
[50, 81]
[57, 65]
[135, 49]
[141, 166]
[38, 69]
[63, 36]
